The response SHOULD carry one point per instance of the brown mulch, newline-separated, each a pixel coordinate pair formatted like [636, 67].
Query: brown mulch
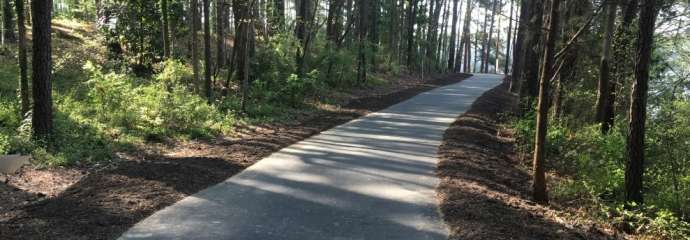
[485, 189]
[102, 204]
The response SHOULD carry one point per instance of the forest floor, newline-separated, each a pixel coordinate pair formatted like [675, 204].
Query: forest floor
[103, 202]
[485, 189]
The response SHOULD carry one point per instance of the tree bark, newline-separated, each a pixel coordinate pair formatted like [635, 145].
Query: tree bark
[603, 92]
[634, 167]
[530, 72]
[508, 39]
[8, 22]
[208, 64]
[539, 190]
[488, 42]
[518, 50]
[166, 29]
[465, 43]
[42, 118]
[453, 33]
[361, 41]
[301, 32]
[194, 7]
[23, 62]
[411, 20]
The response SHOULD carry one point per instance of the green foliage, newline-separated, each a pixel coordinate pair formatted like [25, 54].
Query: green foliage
[154, 109]
[594, 167]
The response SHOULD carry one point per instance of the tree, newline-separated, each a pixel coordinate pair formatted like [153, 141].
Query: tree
[166, 28]
[244, 34]
[220, 33]
[453, 33]
[361, 41]
[509, 37]
[603, 92]
[42, 118]
[194, 7]
[302, 33]
[634, 166]
[411, 21]
[539, 185]
[23, 68]
[7, 22]
[208, 65]
[518, 52]
[530, 70]
[491, 32]
[465, 42]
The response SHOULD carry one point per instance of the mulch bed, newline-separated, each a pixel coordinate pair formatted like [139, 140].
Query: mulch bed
[485, 189]
[104, 203]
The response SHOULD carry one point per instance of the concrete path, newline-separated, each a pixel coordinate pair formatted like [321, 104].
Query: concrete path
[372, 178]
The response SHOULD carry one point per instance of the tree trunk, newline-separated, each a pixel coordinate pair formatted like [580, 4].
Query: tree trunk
[194, 7]
[634, 167]
[453, 34]
[530, 74]
[484, 40]
[518, 50]
[166, 29]
[621, 61]
[411, 20]
[488, 42]
[603, 92]
[373, 14]
[432, 36]
[208, 64]
[243, 36]
[508, 39]
[465, 43]
[301, 32]
[23, 68]
[42, 120]
[220, 34]
[540, 193]
[361, 40]
[8, 22]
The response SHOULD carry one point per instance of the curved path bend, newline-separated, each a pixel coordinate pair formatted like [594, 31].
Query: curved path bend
[371, 178]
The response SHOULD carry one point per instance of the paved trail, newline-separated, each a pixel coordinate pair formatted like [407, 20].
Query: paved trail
[372, 178]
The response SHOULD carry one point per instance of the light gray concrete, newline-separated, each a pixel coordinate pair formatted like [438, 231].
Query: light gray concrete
[372, 178]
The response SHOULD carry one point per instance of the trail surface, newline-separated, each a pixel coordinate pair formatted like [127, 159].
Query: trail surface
[371, 178]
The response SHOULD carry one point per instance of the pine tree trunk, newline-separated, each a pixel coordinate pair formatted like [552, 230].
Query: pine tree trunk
[166, 29]
[23, 62]
[208, 64]
[361, 40]
[484, 40]
[42, 118]
[465, 44]
[540, 193]
[301, 33]
[488, 42]
[411, 20]
[530, 72]
[621, 61]
[220, 34]
[634, 167]
[603, 92]
[506, 69]
[453, 35]
[8, 22]
[194, 7]
[518, 50]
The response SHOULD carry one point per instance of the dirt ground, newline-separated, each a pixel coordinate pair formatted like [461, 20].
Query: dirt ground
[485, 189]
[89, 204]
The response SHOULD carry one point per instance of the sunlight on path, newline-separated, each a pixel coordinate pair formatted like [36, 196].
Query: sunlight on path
[372, 178]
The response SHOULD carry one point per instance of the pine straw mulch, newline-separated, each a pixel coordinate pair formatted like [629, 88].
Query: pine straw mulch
[485, 190]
